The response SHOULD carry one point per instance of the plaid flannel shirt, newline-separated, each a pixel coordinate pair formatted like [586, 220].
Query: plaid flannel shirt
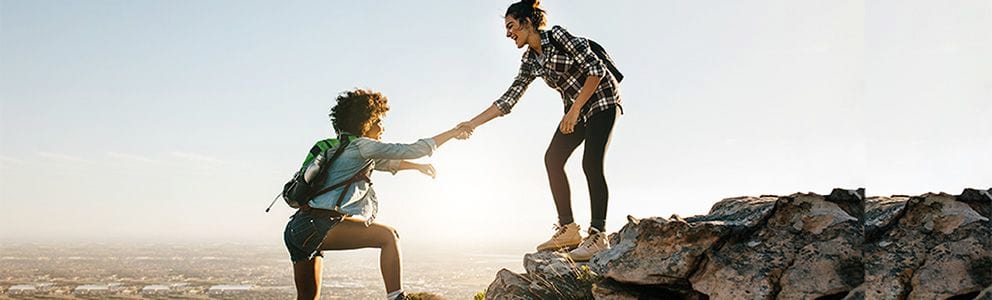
[564, 70]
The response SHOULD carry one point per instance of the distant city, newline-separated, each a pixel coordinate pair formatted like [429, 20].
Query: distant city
[226, 271]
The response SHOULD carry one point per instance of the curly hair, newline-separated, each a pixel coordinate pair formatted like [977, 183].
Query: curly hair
[356, 110]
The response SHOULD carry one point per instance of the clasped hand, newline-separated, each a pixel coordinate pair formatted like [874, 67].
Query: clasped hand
[465, 130]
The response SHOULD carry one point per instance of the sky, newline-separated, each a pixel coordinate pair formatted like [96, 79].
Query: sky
[179, 121]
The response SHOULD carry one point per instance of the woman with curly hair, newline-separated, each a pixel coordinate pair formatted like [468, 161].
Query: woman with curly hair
[326, 222]
[591, 96]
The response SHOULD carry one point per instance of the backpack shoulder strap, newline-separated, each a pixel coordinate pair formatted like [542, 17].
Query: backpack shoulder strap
[343, 142]
[596, 48]
[559, 44]
[319, 147]
[361, 175]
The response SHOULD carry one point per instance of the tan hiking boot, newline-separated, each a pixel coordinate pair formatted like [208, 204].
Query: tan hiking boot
[594, 243]
[565, 237]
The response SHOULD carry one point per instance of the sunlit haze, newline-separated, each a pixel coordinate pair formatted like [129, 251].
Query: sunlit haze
[180, 120]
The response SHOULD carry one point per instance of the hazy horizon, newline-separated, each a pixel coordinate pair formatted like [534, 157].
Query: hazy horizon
[191, 270]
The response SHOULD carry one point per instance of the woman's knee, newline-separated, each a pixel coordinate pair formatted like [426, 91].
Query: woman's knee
[387, 235]
[553, 161]
[592, 166]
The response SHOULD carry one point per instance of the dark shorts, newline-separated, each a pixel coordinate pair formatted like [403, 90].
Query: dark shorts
[305, 233]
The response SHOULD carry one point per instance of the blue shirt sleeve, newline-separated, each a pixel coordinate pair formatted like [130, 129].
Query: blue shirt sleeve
[373, 149]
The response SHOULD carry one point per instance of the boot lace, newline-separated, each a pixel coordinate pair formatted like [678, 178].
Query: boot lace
[559, 230]
[591, 240]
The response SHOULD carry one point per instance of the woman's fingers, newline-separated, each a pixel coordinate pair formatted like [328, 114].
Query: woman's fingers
[466, 126]
[465, 130]
[567, 126]
[465, 133]
[428, 170]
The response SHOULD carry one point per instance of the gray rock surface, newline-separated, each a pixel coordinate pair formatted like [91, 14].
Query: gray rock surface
[933, 247]
[800, 246]
[550, 275]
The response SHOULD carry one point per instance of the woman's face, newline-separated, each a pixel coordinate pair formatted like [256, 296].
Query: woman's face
[516, 32]
[376, 130]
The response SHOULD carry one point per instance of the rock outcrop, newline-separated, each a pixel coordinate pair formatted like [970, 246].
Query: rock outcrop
[549, 275]
[801, 246]
[933, 246]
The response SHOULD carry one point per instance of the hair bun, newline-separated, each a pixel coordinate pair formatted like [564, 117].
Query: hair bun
[527, 11]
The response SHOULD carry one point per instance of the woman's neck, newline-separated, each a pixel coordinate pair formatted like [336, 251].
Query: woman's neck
[534, 41]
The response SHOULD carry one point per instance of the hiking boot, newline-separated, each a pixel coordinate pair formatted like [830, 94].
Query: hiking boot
[566, 236]
[594, 243]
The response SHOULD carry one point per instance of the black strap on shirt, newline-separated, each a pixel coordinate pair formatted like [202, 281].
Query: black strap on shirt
[361, 175]
[596, 49]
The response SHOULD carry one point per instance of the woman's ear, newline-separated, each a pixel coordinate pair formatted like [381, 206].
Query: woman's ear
[524, 23]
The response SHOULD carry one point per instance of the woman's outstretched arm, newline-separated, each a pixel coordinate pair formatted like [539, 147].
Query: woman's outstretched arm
[443, 137]
[374, 149]
[505, 103]
[426, 169]
[485, 116]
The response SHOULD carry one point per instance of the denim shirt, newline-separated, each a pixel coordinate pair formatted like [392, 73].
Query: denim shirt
[360, 198]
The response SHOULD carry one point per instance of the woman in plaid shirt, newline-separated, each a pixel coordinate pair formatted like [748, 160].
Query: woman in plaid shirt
[591, 96]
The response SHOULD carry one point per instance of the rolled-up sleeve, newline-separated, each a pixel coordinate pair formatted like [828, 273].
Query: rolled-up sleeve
[372, 149]
[580, 50]
[524, 77]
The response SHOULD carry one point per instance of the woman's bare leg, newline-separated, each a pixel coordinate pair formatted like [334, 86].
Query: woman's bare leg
[352, 233]
[306, 273]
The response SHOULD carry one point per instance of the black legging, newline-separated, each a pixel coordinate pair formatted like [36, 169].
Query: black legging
[596, 134]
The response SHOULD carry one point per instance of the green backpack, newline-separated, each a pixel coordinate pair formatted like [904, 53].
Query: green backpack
[304, 184]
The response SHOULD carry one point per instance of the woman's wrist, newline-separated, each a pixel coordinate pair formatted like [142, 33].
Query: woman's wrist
[574, 110]
[452, 133]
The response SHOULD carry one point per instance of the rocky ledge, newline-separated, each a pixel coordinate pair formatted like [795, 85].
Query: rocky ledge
[800, 246]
